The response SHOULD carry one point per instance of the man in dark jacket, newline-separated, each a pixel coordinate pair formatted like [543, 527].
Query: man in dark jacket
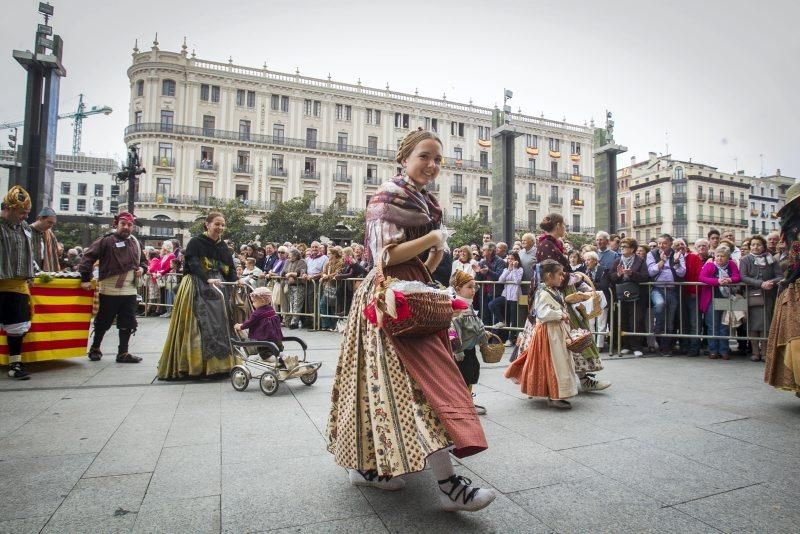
[599, 276]
[490, 269]
[122, 265]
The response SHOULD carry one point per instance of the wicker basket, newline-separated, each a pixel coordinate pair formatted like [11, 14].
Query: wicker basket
[430, 312]
[597, 311]
[579, 344]
[492, 352]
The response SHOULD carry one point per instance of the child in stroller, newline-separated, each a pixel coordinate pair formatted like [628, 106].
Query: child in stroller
[265, 325]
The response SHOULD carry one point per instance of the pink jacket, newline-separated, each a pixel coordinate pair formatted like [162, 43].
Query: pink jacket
[708, 275]
[165, 263]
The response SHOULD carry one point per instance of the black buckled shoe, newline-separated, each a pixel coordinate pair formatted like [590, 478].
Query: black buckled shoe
[16, 371]
[127, 357]
[95, 354]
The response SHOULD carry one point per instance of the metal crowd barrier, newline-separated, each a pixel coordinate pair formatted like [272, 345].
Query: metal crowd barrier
[684, 330]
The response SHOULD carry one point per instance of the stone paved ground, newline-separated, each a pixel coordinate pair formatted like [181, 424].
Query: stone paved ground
[676, 445]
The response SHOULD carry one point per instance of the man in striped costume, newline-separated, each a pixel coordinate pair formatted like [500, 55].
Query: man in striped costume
[16, 268]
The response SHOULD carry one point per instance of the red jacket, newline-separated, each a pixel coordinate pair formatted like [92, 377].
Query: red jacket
[693, 265]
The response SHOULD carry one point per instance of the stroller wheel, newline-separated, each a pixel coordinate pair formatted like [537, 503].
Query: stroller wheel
[309, 378]
[269, 383]
[239, 379]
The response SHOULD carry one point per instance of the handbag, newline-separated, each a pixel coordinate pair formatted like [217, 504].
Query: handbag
[627, 291]
[755, 297]
[430, 311]
[329, 292]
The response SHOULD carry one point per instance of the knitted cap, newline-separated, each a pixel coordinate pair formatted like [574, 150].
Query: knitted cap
[460, 278]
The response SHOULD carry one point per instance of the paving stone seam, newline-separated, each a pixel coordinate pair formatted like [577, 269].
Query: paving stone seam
[712, 495]
[90, 465]
[687, 514]
[744, 440]
[95, 477]
[589, 444]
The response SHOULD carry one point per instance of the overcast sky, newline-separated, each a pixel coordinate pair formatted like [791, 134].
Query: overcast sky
[714, 80]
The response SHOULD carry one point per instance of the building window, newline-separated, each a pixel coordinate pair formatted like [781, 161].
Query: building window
[531, 218]
[483, 133]
[554, 192]
[576, 193]
[277, 162]
[206, 156]
[341, 141]
[275, 196]
[457, 129]
[458, 153]
[137, 117]
[532, 165]
[555, 144]
[251, 99]
[241, 94]
[165, 154]
[139, 87]
[372, 171]
[64, 205]
[532, 141]
[484, 183]
[278, 133]
[81, 205]
[344, 112]
[457, 211]
[374, 116]
[167, 120]
[65, 187]
[341, 200]
[679, 173]
[531, 188]
[81, 190]
[98, 190]
[204, 92]
[168, 88]
[458, 180]
[575, 148]
[484, 214]
[163, 187]
[243, 160]
[311, 138]
[576, 223]
[242, 192]
[206, 192]
[341, 168]
[209, 124]
[279, 103]
[312, 107]
[215, 93]
[576, 170]
[401, 120]
[372, 145]
[484, 159]
[431, 124]
[244, 130]
[554, 168]
[310, 166]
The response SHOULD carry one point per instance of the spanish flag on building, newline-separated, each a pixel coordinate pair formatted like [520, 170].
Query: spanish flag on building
[62, 314]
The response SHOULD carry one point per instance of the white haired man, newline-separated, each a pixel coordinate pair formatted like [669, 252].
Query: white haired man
[605, 256]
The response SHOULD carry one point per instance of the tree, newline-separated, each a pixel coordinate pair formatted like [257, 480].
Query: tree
[76, 234]
[358, 223]
[467, 230]
[578, 240]
[236, 222]
[293, 221]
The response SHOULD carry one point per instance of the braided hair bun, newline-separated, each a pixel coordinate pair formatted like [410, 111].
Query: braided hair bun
[412, 140]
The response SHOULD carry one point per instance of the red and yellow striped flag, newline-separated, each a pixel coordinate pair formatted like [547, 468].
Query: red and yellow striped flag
[62, 313]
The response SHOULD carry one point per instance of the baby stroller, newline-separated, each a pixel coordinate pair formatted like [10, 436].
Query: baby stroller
[263, 360]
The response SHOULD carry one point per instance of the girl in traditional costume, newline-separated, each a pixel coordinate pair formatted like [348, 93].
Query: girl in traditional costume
[546, 368]
[469, 331]
[198, 341]
[399, 401]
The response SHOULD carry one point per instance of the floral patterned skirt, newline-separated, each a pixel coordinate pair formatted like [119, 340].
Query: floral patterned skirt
[397, 400]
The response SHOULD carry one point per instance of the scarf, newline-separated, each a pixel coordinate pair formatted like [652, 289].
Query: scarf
[723, 272]
[762, 260]
[400, 202]
[627, 263]
[559, 245]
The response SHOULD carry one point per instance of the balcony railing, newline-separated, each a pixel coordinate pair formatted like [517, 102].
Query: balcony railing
[650, 220]
[277, 172]
[721, 220]
[243, 169]
[556, 201]
[342, 178]
[309, 175]
[208, 166]
[701, 197]
[679, 197]
[433, 187]
[163, 161]
[525, 172]
[742, 203]
[187, 200]
[372, 180]
[458, 189]
[484, 192]
[680, 218]
[576, 202]
[227, 135]
[533, 198]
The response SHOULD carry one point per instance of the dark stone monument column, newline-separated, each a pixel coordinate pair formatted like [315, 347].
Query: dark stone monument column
[503, 167]
[605, 177]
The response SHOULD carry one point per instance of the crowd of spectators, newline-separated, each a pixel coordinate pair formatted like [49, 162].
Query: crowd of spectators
[646, 280]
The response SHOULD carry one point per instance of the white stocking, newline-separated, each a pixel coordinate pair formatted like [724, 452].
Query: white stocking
[440, 464]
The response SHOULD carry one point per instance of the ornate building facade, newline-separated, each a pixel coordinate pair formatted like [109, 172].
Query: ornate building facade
[210, 130]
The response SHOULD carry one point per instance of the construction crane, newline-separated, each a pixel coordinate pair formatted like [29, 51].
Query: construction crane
[77, 126]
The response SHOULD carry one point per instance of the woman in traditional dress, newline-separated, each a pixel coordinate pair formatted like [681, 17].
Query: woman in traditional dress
[198, 340]
[547, 369]
[399, 401]
[783, 346]
[293, 272]
[329, 290]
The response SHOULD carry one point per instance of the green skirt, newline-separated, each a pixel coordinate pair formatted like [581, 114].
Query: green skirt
[182, 356]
